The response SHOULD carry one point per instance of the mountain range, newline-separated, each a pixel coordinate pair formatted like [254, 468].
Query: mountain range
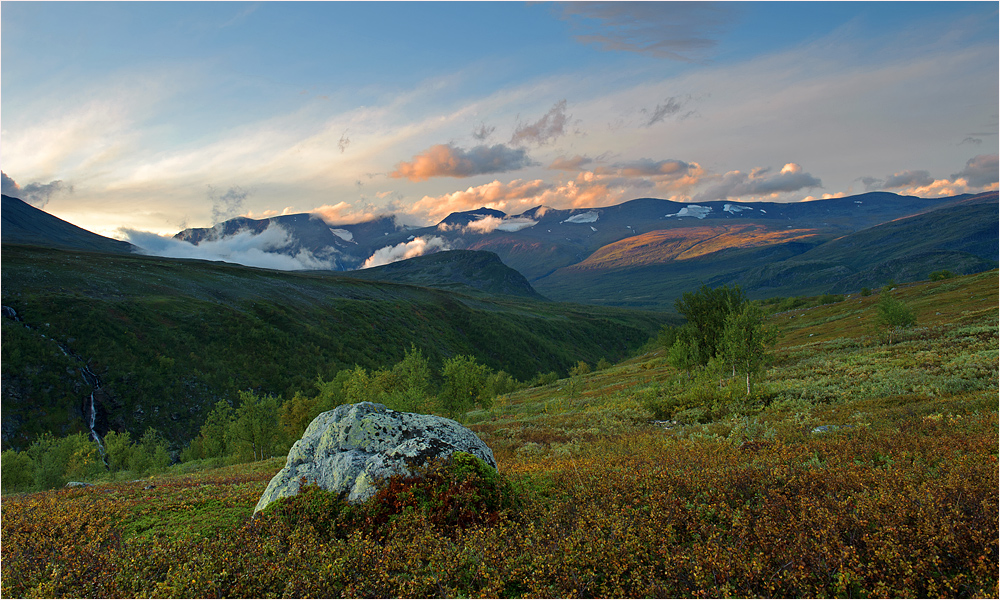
[643, 253]
[646, 252]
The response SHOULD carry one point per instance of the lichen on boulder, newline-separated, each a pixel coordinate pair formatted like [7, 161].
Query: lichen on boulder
[353, 447]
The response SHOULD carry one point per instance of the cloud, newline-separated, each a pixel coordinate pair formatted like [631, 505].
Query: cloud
[227, 205]
[971, 140]
[489, 223]
[445, 160]
[980, 171]
[907, 179]
[404, 250]
[35, 194]
[547, 129]
[980, 174]
[481, 132]
[648, 168]
[759, 183]
[670, 107]
[248, 248]
[674, 30]
[570, 164]
[343, 213]
[344, 142]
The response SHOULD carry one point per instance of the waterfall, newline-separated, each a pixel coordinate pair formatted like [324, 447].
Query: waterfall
[90, 410]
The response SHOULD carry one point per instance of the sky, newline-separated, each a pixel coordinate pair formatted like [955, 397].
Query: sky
[154, 117]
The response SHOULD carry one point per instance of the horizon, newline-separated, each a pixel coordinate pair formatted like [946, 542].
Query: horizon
[157, 117]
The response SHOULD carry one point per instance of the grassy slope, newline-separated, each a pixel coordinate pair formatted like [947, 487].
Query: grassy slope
[170, 337]
[896, 498]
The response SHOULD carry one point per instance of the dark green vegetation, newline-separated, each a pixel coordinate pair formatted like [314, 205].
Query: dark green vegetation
[25, 224]
[463, 271]
[166, 339]
[857, 468]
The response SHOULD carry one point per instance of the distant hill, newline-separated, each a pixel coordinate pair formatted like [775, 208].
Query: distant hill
[25, 224]
[466, 271]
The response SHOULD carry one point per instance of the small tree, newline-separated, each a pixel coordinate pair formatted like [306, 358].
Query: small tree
[254, 431]
[683, 355]
[119, 449]
[893, 315]
[464, 384]
[706, 311]
[746, 341]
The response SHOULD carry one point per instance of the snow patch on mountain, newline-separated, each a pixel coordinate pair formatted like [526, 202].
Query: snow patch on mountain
[343, 234]
[587, 217]
[732, 208]
[692, 210]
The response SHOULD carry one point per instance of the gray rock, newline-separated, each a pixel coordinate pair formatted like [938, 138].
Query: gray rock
[77, 484]
[351, 448]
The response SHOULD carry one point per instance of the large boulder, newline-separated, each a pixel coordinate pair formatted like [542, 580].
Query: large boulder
[351, 448]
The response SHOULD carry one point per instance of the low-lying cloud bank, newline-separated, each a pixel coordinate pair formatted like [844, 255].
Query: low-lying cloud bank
[488, 224]
[247, 248]
[404, 250]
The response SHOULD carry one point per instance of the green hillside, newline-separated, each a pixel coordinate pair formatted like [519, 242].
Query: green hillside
[168, 338]
[463, 271]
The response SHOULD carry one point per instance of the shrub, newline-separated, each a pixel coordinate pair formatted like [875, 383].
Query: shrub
[941, 275]
[580, 368]
[893, 315]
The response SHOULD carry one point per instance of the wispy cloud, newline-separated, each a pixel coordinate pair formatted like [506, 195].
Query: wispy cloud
[35, 194]
[672, 107]
[550, 127]
[228, 204]
[684, 31]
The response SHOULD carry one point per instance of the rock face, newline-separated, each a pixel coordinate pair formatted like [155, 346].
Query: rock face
[348, 450]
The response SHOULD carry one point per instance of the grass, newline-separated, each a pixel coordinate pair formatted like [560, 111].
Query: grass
[861, 470]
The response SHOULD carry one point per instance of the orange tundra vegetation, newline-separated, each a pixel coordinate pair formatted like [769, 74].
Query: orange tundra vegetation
[684, 243]
[861, 469]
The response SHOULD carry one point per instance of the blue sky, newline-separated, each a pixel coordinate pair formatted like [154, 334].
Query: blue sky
[160, 116]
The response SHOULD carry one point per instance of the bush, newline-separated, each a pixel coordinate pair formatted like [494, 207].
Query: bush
[451, 493]
[580, 368]
[941, 275]
[893, 315]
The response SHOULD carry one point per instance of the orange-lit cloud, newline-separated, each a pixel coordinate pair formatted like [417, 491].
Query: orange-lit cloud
[446, 160]
[981, 174]
[570, 164]
[343, 213]
[288, 210]
[759, 183]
